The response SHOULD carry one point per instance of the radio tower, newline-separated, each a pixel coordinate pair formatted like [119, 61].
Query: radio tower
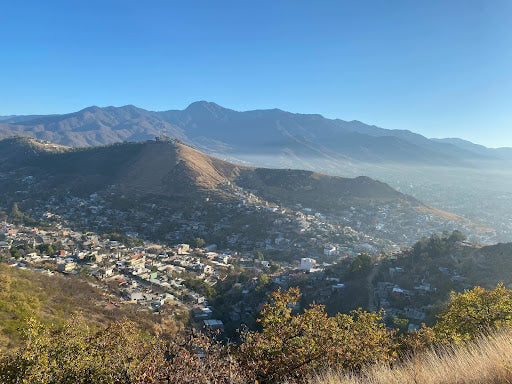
[163, 134]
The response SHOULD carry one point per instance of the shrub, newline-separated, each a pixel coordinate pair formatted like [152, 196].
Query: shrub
[292, 346]
[118, 354]
[474, 312]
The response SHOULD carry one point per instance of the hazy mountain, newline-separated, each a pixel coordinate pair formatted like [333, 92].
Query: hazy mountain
[290, 139]
[501, 153]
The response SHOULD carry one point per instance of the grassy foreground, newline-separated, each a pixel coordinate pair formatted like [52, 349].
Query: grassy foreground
[487, 360]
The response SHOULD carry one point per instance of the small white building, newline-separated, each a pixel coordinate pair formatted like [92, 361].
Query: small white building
[307, 264]
[183, 249]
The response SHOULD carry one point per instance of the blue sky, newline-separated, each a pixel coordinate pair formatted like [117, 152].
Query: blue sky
[439, 68]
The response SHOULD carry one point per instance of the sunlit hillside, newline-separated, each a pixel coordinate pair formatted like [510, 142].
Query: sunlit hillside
[488, 360]
[54, 299]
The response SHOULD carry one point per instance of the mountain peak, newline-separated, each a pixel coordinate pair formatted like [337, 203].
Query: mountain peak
[203, 107]
[92, 108]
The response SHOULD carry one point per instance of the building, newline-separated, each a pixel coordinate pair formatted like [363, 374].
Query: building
[183, 249]
[214, 325]
[307, 264]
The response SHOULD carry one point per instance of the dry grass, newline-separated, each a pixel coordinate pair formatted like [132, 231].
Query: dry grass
[426, 209]
[488, 360]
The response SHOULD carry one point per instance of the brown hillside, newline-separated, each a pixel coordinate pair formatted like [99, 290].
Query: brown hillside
[170, 169]
[174, 171]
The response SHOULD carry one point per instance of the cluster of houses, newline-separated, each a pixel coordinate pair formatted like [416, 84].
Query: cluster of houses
[148, 275]
[416, 302]
[296, 230]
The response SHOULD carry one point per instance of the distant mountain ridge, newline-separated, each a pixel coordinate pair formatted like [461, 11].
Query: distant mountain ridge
[294, 139]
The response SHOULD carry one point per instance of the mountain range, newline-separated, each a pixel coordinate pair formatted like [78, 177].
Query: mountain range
[269, 137]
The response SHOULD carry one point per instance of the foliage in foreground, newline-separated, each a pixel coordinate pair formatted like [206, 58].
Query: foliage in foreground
[119, 354]
[473, 313]
[291, 347]
[52, 300]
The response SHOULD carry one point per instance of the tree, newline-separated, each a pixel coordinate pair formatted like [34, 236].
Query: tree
[15, 214]
[474, 312]
[46, 249]
[198, 242]
[400, 323]
[457, 236]
[294, 345]
[15, 252]
[362, 264]
[263, 282]
[436, 246]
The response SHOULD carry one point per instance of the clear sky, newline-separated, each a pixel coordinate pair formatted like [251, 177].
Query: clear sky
[442, 68]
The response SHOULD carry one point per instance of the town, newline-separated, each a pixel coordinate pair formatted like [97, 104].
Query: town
[213, 287]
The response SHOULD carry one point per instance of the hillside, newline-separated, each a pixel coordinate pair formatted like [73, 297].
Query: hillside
[488, 265]
[305, 187]
[20, 149]
[170, 169]
[54, 299]
[198, 195]
[485, 361]
[291, 139]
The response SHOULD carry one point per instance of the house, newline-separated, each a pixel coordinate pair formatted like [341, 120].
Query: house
[214, 325]
[211, 248]
[397, 292]
[33, 256]
[201, 312]
[137, 260]
[66, 267]
[307, 264]
[135, 296]
[203, 268]
[182, 249]
[338, 287]
[414, 314]
[105, 272]
[223, 258]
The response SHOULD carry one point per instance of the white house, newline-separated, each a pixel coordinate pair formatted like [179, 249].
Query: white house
[307, 264]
